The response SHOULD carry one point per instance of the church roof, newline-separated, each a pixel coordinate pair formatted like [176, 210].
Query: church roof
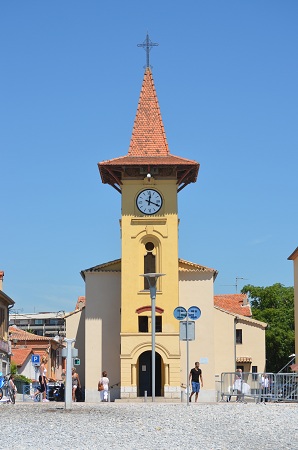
[234, 303]
[110, 266]
[187, 266]
[148, 145]
[148, 134]
[294, 255]
[115, 266]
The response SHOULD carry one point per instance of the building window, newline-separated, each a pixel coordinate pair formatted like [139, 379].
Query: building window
[158, 324]
[2, 322]
[254, 370]
[53, 321]
[149, 262]
[143, 324]
[38, 322]
[238, 336]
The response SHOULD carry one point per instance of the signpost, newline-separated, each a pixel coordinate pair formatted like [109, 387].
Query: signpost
[187, 332]
[35, 359]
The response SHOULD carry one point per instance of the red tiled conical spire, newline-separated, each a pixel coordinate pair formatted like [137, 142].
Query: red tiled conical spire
[148, 134]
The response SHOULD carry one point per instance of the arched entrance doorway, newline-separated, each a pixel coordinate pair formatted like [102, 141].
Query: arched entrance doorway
[145, 374]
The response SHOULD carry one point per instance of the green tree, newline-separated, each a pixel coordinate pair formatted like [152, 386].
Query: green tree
[275, 306]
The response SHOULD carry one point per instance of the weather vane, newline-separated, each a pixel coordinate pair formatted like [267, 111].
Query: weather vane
[147, 45]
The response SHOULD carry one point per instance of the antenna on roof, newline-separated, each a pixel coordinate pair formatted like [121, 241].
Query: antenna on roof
[236, 284]
[239, 278]
[147, 45]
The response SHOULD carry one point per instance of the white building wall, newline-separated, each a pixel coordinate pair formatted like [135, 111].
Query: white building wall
[196, 289]
[102, 331]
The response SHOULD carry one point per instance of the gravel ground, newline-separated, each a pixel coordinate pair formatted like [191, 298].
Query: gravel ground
[137, 426]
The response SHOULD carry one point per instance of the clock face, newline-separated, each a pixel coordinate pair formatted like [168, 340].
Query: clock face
[149, 201]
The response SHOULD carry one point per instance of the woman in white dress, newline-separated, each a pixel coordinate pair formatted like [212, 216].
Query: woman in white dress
[105, 382]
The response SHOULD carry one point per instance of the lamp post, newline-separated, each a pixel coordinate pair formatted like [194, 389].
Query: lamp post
[68, 381]
[152, 280]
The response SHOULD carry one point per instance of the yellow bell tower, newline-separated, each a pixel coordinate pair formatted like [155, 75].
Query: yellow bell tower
[148, 179]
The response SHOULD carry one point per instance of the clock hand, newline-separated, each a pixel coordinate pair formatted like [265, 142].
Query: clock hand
[152, 203]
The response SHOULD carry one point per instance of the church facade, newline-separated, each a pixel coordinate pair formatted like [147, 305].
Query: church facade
[117, 315]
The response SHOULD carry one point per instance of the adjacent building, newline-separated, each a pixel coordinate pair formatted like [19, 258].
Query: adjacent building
[48, 324]
[24, 345]
[294, 257]
[6, 303]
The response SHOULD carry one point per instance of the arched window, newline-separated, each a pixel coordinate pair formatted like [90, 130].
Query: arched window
[149, 262]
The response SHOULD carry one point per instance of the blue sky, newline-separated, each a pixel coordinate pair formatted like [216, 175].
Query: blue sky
[226, 78]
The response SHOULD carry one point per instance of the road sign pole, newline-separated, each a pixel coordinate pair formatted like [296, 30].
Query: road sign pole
[180, 314]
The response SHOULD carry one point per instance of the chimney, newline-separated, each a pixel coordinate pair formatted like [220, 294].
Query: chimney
[1, 279]
[245, 300]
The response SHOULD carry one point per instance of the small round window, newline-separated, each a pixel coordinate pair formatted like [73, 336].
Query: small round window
[149, 246]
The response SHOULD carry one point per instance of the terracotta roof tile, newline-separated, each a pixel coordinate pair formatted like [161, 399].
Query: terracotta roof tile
[244, 359]
[187, 266]
[148, 145]
[19, 355]
[234, 303]
[22, 335]
[138, 160]
[148, 134]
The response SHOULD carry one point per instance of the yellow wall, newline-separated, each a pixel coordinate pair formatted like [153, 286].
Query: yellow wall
[136, 231]
[296, 304]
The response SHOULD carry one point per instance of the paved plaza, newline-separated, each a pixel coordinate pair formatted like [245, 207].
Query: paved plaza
[149, 426]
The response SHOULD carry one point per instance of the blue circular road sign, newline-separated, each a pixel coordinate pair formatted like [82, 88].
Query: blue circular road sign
[180, 313]
[194, 313]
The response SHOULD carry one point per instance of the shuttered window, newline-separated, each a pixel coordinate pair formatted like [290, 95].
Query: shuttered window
[2, 322]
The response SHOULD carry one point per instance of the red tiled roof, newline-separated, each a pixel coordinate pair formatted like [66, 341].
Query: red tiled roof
[22, 335]
[234, 303]
[148, 145]
[168, 160]
[19, 355]
[148, 134]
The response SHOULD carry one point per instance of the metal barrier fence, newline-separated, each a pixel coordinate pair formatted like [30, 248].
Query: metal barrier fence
[259, 387]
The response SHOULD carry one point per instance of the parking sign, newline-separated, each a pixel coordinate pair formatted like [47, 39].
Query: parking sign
[35, 359]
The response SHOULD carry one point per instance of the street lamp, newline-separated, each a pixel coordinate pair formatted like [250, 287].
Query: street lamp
[152, 280]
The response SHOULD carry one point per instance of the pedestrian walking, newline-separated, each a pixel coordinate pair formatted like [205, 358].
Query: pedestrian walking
[42, 388]
[76, 384]
[195, 381]
[103, 387]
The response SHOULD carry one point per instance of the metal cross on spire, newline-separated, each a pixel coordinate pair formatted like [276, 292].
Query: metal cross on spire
[147, 45]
